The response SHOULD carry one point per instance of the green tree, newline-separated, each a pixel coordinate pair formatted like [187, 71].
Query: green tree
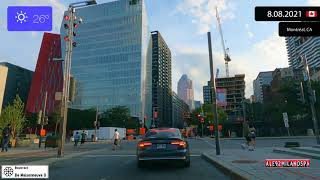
[13, 114]
[207, 110]
[119, 116]
[81, 119]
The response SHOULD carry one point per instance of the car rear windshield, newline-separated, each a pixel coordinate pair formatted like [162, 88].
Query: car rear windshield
[165, 133]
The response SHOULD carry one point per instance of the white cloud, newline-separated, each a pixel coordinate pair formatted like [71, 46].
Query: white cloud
[313, 2]
[249, 32]
[195, 63]
[203, 12]
[265, 55]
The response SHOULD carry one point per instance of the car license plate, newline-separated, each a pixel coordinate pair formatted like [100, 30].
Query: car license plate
[161, 146]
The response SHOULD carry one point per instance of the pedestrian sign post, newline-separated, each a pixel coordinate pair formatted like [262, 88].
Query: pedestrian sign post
[286, 121]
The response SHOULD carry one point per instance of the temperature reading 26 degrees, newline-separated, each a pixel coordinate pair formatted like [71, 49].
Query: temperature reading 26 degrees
[40, 18]
[29, 18]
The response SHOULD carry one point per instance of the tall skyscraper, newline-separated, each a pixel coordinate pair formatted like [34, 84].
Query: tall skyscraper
[263, 79]
[14, 80]
[185, 91]
[207, 99]
[48, 76]
[110, 61]
[161, 80]
[309, 46]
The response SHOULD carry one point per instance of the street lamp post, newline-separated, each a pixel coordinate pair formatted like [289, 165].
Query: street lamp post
[67, 69]
[213, 97]
[312, 98]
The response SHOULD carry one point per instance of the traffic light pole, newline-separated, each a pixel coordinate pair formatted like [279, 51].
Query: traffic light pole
[312, 99]
[66, 84]
[213, 97]
[43, 117]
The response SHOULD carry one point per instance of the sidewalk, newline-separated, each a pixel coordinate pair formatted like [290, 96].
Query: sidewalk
[278, 137]
[32, 149]
[244, 164]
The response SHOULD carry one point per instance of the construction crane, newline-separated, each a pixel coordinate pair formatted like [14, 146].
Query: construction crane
[225, 50]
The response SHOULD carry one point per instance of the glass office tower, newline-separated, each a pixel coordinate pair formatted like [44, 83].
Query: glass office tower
[110, 61]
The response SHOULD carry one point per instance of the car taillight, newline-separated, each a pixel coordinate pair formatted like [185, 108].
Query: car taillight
[182, 144]
[144, 144]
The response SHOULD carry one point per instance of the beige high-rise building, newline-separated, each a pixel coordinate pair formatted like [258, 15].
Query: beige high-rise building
[3, 80]
[186, 91]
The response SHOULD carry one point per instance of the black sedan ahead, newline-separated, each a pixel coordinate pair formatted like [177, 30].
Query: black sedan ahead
[163, 144]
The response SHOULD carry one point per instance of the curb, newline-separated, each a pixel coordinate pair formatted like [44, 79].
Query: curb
[224, 169]
[296, 153]
[282, 137]
[56, 159]
[228, 170]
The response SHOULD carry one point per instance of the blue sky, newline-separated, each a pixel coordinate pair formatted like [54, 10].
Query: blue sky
[254, 46]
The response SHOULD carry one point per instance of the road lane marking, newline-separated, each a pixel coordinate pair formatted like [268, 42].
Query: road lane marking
[110, 155]
[209, 143]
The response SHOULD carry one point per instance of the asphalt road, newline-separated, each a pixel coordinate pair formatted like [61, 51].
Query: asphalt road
[108, 165]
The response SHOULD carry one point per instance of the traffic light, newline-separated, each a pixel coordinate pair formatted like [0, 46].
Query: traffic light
[39, 117]
[66, 26]
[66, 17]
[66, 38]
[98, 124]
[46, 120]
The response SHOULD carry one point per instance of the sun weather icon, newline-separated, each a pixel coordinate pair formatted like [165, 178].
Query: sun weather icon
[21, 17]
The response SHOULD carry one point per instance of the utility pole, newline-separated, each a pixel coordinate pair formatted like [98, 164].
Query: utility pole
[311, 97]
[43, 116]
[96, 125]
[213, 97]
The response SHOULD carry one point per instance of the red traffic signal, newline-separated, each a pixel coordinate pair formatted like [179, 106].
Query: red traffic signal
[66, 17]
[66, 38]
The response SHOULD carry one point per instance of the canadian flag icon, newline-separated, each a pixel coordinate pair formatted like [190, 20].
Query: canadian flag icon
[311, 14]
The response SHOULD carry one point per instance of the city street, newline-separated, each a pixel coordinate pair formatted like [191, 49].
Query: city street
[108, 164]
[98, 161]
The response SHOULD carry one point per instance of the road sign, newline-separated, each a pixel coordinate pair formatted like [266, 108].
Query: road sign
[285, 119]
